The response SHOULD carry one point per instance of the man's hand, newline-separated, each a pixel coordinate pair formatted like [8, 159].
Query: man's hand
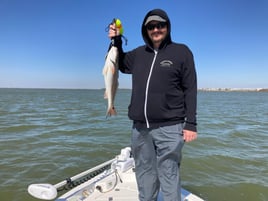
[189, 136]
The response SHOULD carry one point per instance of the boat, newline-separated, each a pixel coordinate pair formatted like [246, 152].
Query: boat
[113, 180]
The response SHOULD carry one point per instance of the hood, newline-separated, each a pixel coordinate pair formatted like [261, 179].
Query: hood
[145, 36]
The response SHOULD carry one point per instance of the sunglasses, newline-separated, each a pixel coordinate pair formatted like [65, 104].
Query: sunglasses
[159, 25]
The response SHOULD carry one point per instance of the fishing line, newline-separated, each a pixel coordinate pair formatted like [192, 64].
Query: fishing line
[108, 28]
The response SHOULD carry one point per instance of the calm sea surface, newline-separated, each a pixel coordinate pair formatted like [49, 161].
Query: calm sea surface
[48, 135]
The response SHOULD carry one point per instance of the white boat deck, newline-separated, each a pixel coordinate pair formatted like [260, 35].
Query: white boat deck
[116, 182]
[111, 188]
[123, 191]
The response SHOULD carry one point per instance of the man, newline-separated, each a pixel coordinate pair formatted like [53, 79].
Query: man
[162, 107]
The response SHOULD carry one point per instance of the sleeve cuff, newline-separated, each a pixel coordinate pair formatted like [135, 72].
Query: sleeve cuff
[190, 126]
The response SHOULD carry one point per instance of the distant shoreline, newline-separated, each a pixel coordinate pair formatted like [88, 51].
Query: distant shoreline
[199, 89]
[234, 89]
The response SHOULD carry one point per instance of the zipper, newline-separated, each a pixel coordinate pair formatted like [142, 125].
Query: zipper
[147, 88]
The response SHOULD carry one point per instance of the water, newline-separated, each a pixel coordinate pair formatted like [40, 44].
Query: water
[49, 135]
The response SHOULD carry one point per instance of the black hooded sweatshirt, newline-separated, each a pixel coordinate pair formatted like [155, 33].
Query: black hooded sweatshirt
[164, 84]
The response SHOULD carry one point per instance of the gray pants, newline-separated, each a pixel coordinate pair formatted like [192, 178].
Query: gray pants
[157, 154]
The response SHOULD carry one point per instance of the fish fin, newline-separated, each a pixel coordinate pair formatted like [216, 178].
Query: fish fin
[105, 95]
[104, 71]
[111, 112]
[113, 70]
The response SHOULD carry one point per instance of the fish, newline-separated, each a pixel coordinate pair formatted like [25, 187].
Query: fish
[110, 73]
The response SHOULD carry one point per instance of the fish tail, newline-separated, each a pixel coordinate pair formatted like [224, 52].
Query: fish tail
[111, 112]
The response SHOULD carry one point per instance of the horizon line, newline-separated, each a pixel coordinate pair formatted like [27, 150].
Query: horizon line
[102, 88]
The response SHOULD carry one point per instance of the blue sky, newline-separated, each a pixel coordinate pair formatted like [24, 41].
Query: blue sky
[62, 43]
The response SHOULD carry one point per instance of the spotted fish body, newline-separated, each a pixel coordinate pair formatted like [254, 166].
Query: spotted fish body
[110, 73]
